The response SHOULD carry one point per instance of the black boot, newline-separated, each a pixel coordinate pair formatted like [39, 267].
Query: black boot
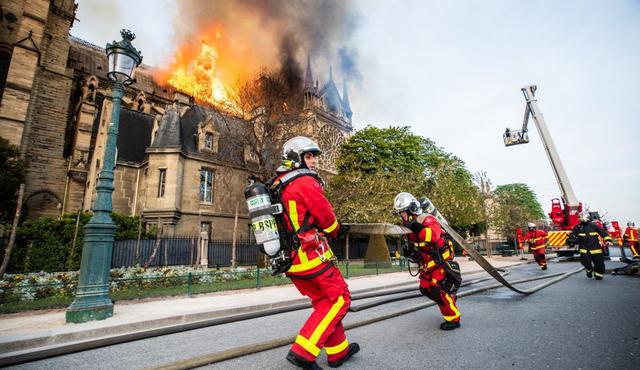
[353, 349]
[301, 362]
[589, 274]
[449, 325]
[544, 267]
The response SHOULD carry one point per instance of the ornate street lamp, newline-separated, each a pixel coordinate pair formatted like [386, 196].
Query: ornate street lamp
[92, 300]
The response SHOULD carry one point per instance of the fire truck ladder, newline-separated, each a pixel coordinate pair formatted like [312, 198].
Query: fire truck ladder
[516, 137]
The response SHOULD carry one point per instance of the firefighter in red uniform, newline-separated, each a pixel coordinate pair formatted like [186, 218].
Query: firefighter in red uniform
[427, 247]
[631, 238]
[537, 240]
[309, 217]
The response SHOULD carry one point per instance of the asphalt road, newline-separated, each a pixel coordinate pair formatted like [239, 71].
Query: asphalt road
[577, 323]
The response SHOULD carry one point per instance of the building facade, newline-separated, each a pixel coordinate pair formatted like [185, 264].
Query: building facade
[180, 164]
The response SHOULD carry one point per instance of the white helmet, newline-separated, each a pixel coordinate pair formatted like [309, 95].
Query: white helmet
[631, 224]
[295, 148]
[406, 202]
[584, 217]
[531, 225]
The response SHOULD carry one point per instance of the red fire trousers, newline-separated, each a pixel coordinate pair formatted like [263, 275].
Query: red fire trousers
[330, 298]
[538, 254]
[431, 287]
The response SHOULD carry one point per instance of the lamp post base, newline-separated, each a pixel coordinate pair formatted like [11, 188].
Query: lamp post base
[79, 313]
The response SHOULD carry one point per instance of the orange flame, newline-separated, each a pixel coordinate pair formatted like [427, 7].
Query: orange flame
[209, 70]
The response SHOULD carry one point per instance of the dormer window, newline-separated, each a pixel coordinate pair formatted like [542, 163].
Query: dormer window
[208, 141]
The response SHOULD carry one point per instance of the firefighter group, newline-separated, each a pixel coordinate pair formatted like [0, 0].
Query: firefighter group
[307, 220]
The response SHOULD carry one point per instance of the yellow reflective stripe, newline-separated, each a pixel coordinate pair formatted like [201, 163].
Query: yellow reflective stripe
[427, 236]
[453, 308]
[538, 247]
[309, 264]
[595, 251]
[333, 226]
[293, 214]
[337, 349]
[598, 274]
[304, 343]
[582, 251]
[303, 256]
[540, 238]
[431, 263]
[607, 237]
[582, 234]
[420, 244]
[320, 329]
[593, 233]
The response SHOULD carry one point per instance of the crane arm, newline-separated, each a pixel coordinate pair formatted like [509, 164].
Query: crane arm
[568, 196]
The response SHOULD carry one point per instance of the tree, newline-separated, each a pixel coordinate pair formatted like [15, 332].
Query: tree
[375, 164]
[12, 170]
[270, 104]
[515, 205]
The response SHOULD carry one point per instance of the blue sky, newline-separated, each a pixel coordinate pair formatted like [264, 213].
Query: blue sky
[453, 71]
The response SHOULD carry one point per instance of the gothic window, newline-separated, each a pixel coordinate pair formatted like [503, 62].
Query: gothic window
[161, 182]
[5, 61]
[330, 142]
[206, 185]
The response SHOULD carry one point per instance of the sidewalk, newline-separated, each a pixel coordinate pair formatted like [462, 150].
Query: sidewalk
[22, 331]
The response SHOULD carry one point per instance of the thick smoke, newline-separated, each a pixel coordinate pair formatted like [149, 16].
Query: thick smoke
[277, 32]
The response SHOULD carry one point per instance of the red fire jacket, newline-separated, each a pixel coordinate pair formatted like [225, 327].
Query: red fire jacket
[429, 240]
[631, 235]
[537, 239]
[304, 198]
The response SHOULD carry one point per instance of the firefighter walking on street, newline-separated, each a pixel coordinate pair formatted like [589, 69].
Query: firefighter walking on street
[586, 234]
[537, 240]
[631, 238]
[427, 247]
[310, 218]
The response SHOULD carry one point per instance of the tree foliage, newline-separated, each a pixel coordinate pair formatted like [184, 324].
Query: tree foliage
[46, 244]
[375, 164]
[514, 205]
[11, 176]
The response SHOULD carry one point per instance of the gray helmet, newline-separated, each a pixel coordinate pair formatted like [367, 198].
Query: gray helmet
[531, 225]
[406, 202]
[584, 217]
[631, 224]
[295, 148]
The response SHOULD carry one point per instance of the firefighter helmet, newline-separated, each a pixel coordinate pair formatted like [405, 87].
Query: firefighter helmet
[531, 225]
[584, 217]
[295, 148]
[631, 224]
[406, 202]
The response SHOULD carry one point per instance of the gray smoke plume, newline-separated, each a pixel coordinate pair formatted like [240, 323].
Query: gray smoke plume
[277, 32]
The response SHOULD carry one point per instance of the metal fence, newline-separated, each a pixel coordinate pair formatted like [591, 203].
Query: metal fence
[183, 250]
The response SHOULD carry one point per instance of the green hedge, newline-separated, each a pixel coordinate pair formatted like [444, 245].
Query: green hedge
[45, 244]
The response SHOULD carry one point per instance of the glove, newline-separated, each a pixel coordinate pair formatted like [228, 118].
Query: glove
[410, 253]
[609, 243]
[342, 232]
[407, 250]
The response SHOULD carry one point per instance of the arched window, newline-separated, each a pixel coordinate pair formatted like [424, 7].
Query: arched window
[5, 61]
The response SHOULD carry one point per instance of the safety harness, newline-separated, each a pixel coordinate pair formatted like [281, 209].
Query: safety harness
[289, 240]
